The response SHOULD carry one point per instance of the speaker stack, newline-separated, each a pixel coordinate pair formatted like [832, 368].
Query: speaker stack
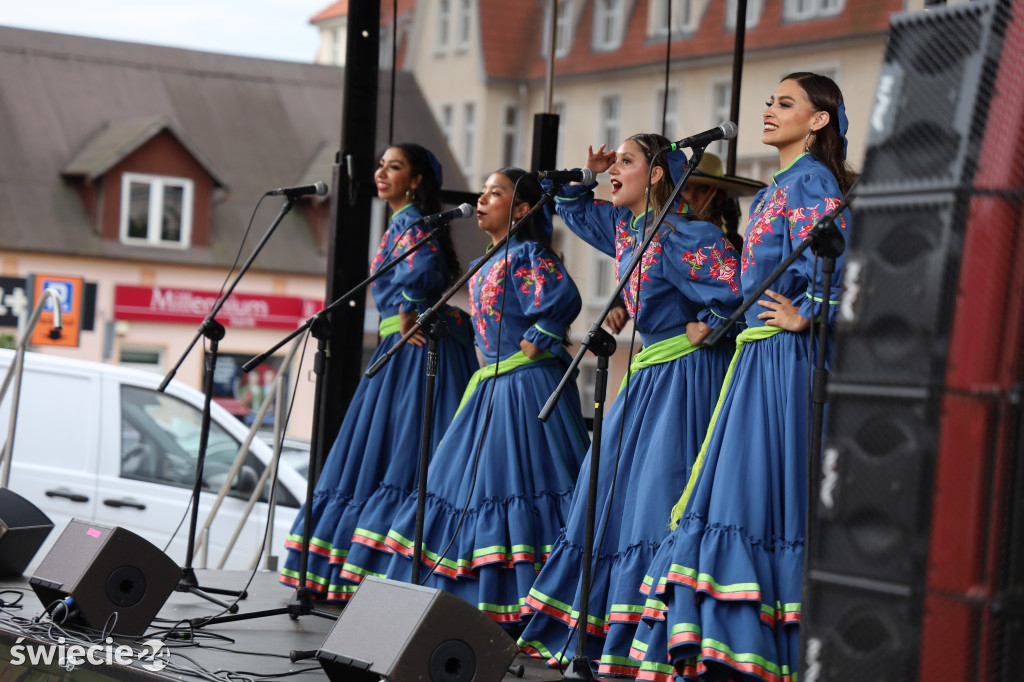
[408, 633]
[913, 567]
[109, 578]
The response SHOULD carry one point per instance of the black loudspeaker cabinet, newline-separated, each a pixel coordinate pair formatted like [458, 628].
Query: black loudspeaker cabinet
[901, 274]
[873, 510]
[860, 630]
[23, 528]
[107, 572]
[405, 632]
[932, 98]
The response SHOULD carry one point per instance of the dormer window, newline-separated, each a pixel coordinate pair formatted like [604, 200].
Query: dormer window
[156, 210]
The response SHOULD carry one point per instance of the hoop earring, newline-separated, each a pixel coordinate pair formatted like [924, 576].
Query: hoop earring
[410, 194]
[807, 146]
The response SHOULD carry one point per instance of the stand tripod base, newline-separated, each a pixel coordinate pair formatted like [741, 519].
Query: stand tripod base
[189, 583]
[301, 604]
[579, 669]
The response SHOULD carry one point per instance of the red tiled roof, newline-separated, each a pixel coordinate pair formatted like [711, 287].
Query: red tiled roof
[333, 11]
[340, 9]
[511, 36]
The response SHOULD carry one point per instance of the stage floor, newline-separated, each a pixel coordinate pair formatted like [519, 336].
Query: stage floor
[254, 649]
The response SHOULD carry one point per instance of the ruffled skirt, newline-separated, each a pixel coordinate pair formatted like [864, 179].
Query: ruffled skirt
[662, 422]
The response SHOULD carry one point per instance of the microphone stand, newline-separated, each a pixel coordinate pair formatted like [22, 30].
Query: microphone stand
[603, 347]
[436, 327]
[301, 602]
[213, 331]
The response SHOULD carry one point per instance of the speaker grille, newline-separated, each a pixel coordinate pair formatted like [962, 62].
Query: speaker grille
[928, 118]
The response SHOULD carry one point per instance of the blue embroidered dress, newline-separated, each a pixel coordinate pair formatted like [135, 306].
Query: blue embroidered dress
[372, 465]
[686, 275]
[518, 491]
[725, 586]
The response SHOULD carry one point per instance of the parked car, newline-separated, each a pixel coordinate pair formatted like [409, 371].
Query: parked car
[98, 442]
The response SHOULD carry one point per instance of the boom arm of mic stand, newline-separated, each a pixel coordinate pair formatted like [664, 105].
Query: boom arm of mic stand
[824, 227]
[432, 311]
[259, 359]
[549, 406]
[231, 287]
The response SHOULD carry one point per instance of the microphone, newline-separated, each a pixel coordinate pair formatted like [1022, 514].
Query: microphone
[726, 130]
[318, 188]
[460, 211]
[582, 175]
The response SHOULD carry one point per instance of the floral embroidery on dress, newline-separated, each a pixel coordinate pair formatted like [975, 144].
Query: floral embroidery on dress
[535, 277]
[409, 239]
[763, 223]
[640, 274]
[723, 265]
[482, 303]
[382, 249]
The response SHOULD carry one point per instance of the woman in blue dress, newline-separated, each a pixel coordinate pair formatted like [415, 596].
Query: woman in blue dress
[499, 483]
[372, 466]
[683, 287]
[725, 587]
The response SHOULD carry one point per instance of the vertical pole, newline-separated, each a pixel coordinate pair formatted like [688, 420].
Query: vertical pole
[737, 80]
[351, 203]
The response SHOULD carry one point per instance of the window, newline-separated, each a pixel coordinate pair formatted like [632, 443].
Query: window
[608, 22]
[667, 111]
[148, 359]
[684, 17]
[337, 38]
[160, 444]
[444, 15]
[753, 14]
[468, 139]
[465, 24]
[563, 28]
[721, 105]
[611, 121]
[447, 123]
[811, 9]
[510, 142]
[156, 210]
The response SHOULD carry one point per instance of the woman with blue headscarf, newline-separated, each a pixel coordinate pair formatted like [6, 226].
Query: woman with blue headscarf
[371, 467]
[724, 589]
[499, 484]
[683, 287]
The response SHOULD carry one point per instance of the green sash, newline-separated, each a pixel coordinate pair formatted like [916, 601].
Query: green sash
[390, 325]
[658, 353]
[488, 371]
[745, 336]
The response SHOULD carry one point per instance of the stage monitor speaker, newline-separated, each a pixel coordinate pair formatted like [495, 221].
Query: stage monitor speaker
[932, 98]
[23, 528]
[405, 632]
[117, 581]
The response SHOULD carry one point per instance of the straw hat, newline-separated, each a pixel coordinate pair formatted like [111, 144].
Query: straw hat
[709, 172]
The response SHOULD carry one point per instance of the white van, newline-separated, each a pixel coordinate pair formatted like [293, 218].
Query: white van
[99, 442]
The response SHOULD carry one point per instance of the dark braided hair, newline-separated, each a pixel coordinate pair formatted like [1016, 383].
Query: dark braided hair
[529, 192]
[427, 198]
[827, 144]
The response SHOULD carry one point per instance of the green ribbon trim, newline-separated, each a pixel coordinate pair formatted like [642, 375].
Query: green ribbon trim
[659, 353]
[746, 336]
[390, 325]
[507, 365]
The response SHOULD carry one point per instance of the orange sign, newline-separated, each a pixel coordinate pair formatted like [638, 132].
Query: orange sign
[70, 290]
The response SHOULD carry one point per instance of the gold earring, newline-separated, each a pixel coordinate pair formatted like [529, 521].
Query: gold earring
[807, 146]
